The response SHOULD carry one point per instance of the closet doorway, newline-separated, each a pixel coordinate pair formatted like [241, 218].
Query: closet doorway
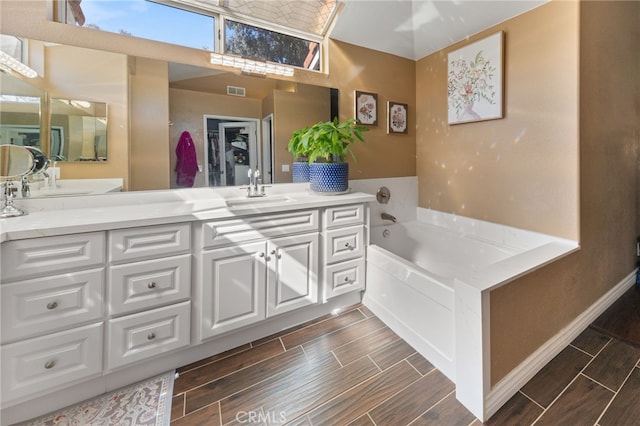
[231, 149]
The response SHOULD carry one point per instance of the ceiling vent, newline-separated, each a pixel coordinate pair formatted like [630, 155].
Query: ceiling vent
[235, 91]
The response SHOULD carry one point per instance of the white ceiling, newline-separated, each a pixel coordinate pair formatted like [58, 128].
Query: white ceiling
[416, 28]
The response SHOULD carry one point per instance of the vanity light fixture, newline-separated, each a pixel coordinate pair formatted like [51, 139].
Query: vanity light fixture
[9, 63]
[250, 66]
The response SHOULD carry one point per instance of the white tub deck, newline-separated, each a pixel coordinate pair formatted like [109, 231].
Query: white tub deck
[429, 281]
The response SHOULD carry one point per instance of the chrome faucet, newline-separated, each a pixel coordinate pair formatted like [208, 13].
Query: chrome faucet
[255, 189]
[387, 216]
[25, 190]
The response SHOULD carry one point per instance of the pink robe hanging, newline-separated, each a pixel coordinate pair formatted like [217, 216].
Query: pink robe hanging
[187, 161]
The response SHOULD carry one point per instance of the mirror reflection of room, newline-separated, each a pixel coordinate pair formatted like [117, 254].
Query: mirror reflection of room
[78, 130]
[232, 151]
[145, 150]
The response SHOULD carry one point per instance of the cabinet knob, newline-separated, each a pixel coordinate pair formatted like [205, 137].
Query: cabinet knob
[273, 252]
[261, 254]
[151, 285]
[151, 336]
[52, 305]
[346, 279]
[49, 364]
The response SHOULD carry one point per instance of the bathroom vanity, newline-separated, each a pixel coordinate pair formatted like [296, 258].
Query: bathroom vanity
[95, 298]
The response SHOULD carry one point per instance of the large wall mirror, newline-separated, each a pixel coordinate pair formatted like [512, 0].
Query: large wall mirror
[144, 99]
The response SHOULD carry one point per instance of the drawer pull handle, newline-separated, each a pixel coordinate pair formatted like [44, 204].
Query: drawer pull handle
[346, 279]
[151, 336]
[52, 305]
[49, 364]
[151, 285]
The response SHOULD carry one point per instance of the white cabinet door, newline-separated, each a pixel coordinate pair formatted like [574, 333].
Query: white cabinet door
[292, 273]
[233, 288]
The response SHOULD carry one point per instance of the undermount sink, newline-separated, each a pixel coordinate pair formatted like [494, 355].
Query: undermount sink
[256, 201]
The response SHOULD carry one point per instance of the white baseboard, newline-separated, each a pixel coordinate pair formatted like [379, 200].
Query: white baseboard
[517, 378]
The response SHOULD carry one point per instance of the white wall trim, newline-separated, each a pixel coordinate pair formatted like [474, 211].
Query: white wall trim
[518, 377]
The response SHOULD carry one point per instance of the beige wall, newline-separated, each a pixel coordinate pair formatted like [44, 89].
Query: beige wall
[293, 111]
[392, 78]
[93, 75]
[564, 160]
[521, 170]
[149, 115]
[526, 313]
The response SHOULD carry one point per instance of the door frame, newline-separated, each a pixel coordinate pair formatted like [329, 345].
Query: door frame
[229, 119]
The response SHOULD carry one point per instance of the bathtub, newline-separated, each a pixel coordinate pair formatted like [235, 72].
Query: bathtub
[429, 281]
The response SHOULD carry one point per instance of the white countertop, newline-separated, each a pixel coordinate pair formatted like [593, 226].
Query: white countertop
[76, 187]
[75, 214]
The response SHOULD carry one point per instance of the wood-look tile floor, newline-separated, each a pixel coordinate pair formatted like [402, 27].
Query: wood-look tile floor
[351, 369]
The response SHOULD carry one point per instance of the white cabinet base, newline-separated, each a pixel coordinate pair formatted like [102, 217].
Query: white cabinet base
[47, 402]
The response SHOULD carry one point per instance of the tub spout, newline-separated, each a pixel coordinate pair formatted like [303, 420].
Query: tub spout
[387, 216]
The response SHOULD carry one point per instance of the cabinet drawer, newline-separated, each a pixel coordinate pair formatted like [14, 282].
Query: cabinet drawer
[344, 216]
[139, 336]
[344, 244]
[226, 232]
[42, 256]
[42, 305]
[149, 284]
[149, 241]
[44, 363]
[344, 277]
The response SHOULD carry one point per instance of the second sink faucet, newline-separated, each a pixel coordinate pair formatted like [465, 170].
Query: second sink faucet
[253, 190]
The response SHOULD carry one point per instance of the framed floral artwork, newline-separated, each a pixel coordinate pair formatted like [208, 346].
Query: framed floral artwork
[366, 108]
[396, 117]
[474, 81]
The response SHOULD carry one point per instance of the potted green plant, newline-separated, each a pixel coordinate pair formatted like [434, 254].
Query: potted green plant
[297, 146]
[327, 144]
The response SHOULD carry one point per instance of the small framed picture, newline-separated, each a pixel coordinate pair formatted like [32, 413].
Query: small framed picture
[366, 108]
[396, 117]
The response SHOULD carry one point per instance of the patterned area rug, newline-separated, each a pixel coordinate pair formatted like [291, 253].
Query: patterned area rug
[147, 403]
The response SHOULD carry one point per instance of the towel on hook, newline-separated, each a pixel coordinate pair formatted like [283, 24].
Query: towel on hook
[187, 161]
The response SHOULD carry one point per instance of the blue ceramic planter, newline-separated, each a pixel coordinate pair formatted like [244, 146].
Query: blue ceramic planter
[300, 171]
[329, 177]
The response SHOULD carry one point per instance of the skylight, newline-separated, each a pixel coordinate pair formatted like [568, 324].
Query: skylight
[310, 16]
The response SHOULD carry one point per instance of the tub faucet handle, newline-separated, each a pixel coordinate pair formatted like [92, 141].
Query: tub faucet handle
[387, 216]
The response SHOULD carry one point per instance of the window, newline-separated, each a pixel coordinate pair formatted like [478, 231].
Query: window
[253, 42]
[146, 19]
[259, 29]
